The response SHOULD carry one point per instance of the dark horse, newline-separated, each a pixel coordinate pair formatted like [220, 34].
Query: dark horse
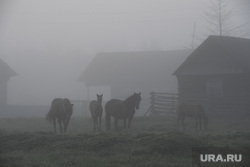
[122, 110]
[61, 110]
[191, 110]
[96, 110]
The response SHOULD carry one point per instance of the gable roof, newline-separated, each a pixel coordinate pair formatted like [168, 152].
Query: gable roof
[218, 55]
[5, 71]
[131, 68]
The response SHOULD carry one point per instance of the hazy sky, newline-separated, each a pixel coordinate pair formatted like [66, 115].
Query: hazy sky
[49, 43]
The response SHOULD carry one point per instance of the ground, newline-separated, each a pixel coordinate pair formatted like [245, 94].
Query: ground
[152, 141]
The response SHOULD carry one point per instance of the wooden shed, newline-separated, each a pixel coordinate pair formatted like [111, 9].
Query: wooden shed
[217, 74]
[125, 72]
[5, 74]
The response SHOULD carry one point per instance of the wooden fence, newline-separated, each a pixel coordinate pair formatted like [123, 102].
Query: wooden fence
[163, 103]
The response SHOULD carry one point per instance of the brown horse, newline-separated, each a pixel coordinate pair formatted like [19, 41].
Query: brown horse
[191, 110]
[61, 110]
[122, 110]
[96, 110]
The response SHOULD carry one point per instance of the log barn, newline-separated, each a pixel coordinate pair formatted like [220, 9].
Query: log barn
[135, 71]
[5, 74]
[217, 74]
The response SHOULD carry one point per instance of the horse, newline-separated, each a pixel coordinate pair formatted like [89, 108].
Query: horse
[61, 110]
[191, 110]
[122, 110]
[96, 110]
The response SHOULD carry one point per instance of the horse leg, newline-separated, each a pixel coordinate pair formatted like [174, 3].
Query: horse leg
[116, 124]
[54, 124]
[125, 123]
[200, 120]
[60, 125]
[107, 119]
[178, 121]
[93, 118]
[100, 123]
[182, 122]
[65, 125]
[196, 123]
[129, 122]
[204, 119]
[95, 124]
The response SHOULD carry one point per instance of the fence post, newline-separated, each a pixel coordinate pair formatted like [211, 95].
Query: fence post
[173, 100]
[152, 102]
[163, 103]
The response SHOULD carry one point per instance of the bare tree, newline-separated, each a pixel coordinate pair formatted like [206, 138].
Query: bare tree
[219, 18]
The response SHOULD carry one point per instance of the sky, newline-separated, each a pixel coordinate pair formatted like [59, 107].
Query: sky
[49, 43]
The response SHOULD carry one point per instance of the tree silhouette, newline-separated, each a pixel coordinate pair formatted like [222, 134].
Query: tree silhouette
[219, 18]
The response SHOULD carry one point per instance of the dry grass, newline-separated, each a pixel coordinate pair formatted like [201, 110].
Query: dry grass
[152, 141]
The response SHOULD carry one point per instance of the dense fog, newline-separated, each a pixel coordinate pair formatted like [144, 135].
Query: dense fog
[50, 43]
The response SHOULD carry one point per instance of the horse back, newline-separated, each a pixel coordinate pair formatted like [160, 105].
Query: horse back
[118, 109]
[56, 105]
[113, 105]
[60, 108]
[191, 110]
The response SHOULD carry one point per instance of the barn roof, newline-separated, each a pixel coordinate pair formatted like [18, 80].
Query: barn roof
[218, 55]
[5, 71]
[130, 68]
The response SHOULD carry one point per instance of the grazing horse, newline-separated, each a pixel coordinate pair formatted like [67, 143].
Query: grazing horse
[191, 110]
[122, 110]
[61, 110]
[96, 109]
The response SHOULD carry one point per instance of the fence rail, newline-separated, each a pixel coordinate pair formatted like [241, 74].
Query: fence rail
[163, 103]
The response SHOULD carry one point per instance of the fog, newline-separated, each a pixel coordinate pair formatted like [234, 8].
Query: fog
[50, 43]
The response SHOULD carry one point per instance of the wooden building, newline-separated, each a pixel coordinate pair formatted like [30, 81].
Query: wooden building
[126, 72]
[217, 74]
[5, 74]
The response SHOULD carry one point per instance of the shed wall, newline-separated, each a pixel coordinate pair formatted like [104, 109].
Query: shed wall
[216, 92]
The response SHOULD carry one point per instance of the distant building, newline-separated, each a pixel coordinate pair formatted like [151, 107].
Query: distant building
[217, 74]
[5, 73]
[128, 72]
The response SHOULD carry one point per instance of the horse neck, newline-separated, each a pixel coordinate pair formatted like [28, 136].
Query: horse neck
[99, 102]
[129, 102]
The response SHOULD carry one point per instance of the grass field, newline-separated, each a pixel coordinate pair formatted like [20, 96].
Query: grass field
[153, 141]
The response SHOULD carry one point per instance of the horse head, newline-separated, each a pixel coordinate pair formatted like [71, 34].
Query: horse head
[68, 108]
[99, 98]
[137, 100]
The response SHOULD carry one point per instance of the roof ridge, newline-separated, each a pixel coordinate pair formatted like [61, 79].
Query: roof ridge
[146, 51]
[230, 53]
[236, 49]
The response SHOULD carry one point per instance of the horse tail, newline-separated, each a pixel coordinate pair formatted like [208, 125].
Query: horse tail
[48, 116]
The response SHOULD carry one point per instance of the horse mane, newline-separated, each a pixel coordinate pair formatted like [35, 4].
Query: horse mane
[129, 100]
